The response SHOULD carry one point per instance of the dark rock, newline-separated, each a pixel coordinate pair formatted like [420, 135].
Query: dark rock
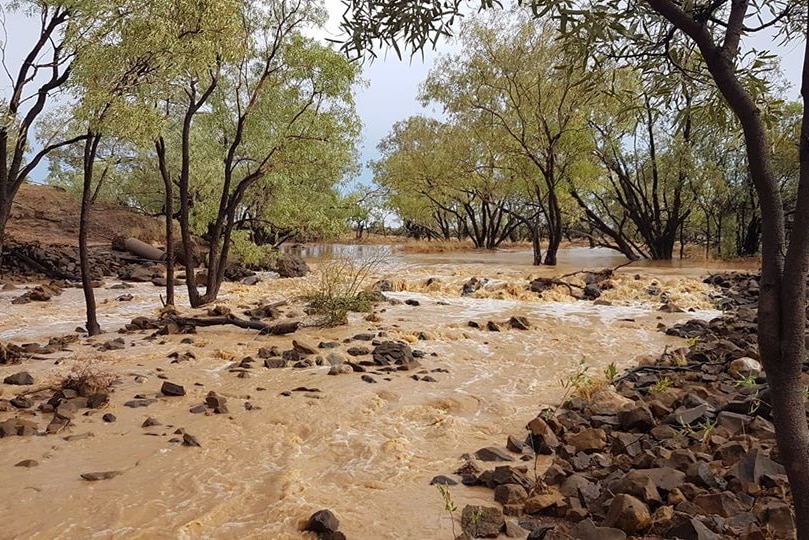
[275, 362]
[638, 418]
[482, 521]
[541, 437]
[443, 481]
[392, 353]
[190, 440]
[367, 378]
[724, 504]
[109, 418]
[323, 521]
[358, 351]
[96, 401]
[519, 323]
[754, 465]
[691, 529]
[22, 402]
[172, 389]
[591, 291]
[22, 378]
[150, 421]
[27, 463]
[493, 454]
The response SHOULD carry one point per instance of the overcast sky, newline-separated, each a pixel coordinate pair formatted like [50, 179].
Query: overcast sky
[392, 84]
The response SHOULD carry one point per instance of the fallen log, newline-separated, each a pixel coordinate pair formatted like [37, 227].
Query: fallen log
[144, 250]
[281, 328]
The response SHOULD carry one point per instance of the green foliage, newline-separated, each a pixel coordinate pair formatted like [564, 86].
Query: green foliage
[610, 372]
[449, 504]
[661, 385]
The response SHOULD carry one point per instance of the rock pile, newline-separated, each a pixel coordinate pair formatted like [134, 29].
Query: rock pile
[682, 447]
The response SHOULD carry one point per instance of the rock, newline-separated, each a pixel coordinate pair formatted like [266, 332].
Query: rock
[323, 521]
[638, 418]
[172, 389]
[586, 530]
[510, 494]
[472, 285]
[251, 280]
[394, 353]
[217, 403]
[96, 476]
[664, 478]
[96, 401]
[190, 440]
[150, 421]
[289, 266]
[27, 463]
[671, 307]
[591, 291]
[482, 521]
[638, 485]
[519, 323]
[688, 416]
[691, 529]
[628, 514]
[22, 378]
[724, 504]
[777, 517]
[303, 348]
[139, 402]
[367, 378]
[116, 344]
[541, 437]
[21, 402]
[493, 454]
[109, 418]
[382, 285]
[754, 465]
[275, 362]
[544, 502]
[588, 440]
[358, 351]
[342, 369]
[744, 367]
[442, 480]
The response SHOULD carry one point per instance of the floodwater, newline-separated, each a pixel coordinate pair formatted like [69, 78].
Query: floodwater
[365, 451]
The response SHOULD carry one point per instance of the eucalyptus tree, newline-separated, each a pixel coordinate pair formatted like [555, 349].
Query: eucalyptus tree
[447, 178]
[540, 110]
[642, 29]
[257, 110]
[42, 74]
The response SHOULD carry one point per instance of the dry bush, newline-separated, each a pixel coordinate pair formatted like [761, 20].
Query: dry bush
[338, 288]
[87, 378]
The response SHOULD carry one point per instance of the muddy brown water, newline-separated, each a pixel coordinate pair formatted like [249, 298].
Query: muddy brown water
[365, 451]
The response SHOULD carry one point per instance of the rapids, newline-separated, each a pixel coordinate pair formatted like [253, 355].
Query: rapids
[365, 451]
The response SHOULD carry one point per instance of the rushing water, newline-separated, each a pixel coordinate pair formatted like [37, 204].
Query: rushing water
[366, 451]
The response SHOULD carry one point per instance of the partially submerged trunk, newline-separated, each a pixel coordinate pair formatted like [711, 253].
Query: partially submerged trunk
[90, 150]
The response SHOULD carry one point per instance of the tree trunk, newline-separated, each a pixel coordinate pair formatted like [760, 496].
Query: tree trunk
[90, 149]
[5, 212]
[554, 229]
[168, 204]
[536, 237]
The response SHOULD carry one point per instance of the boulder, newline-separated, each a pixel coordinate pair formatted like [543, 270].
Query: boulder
[322, 521]
[394, 353]
[588, 440]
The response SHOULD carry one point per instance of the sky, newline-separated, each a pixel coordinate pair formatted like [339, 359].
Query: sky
[391, 87]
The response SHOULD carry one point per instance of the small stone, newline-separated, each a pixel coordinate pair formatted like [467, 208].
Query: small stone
[510, 494]
[28, 463]
[96, 476]
[368, 379]
[442, 480]
[172, 389]
[323, 521]
[151, 421]
[190, 440]
[109, 418]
